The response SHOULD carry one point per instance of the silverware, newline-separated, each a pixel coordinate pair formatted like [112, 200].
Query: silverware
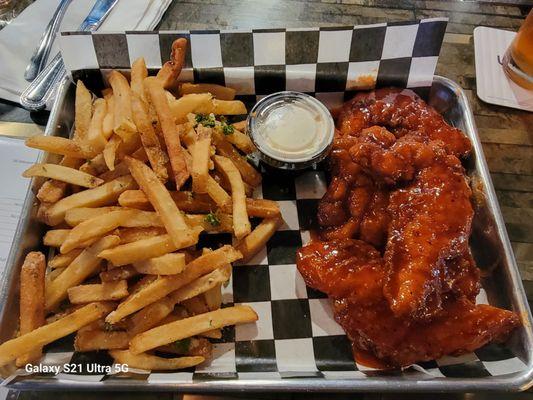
[40, 55]
[45, 84]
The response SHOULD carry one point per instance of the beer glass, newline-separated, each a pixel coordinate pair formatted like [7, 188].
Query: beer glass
[518, 59]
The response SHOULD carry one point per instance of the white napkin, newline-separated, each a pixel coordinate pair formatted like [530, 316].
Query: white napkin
[19, 39]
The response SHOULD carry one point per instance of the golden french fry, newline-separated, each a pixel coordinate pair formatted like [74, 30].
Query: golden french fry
[156, 155]
[60, 145]
[213, 297]
[252, 243]
[192, 326]
[48, 333]
[63, 260]
[107, 291]
[82, 111]
[99, 196]
[138, 73]
[168, 264]
[212, 222]
[186, 201]
[95, 227]
[218, 91]
[95, 137]
[83, 266]
[150, 316]
[77, 215]
[262, 208]
[195, 347]
[117, 274]
[147, 248]
[161, 200]
[93, 340]
[201, 154]
[110, 151]
[241, 141]
[94, 166]
[165, 285]
[170, 70]
[222, 107]
[124, 126]
[201, 285]
[32, 315]
[241, 223]
[187, 104]
[195, 305]
[240, 126]
[218, 194]
[109, 120]
[154, 363]
[226, 149]
[224, 183]
[107, 93]
[129, 235]
[55, 237]
[63, 174]
[176, 153]
[121, 168]
[51, 191]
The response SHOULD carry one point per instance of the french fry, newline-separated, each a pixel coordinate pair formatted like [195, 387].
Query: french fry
[165, 285]
[60, 145]
[82, 111]
[218, 91]
[95, 137]
[240, 126]
[31, 300]
[176, 153]
[43, 335]
[114, 290]
[51, 191]
[63, 174]
[262, 208]
[201, 154]
[201, 285]
[252, 243]
[154, 363]
[222, 107]
[226, 149]
[63, 260]
[212, 223]
[224, 183]
[156, 155]
[95, 227]
[107, 93]
[161, 200]
[94, 166]
[138, 73]
[129, 235]
[150, 316]
[170, 70]
[93, 340]
[109, 120]
[218, 194]
[83, 266]
[213, 297]
[121, 168]
[192, 326]
[187, 104]
[241, 223]
[147, 248]
[99, 196]
[124, 126]
[186, 201]
[110, 151]
[117, 274]
[196, 347]
[53, 274]
[241, 141]
[77, 215]
[54, 237]
[168, 264]
[195, 305]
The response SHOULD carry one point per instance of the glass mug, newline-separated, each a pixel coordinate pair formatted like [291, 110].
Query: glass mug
[518, 59]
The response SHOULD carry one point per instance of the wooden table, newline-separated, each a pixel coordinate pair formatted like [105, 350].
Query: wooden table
[507, 134]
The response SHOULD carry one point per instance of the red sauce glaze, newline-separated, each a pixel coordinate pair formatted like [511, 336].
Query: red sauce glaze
[393, 248]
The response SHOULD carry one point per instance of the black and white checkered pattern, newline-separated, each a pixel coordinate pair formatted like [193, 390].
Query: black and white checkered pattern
[295, 335]
[324, 62]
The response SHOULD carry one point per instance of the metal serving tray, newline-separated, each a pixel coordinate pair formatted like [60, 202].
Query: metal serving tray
[489, 243]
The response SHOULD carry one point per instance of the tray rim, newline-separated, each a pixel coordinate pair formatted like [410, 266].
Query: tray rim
[516, 382]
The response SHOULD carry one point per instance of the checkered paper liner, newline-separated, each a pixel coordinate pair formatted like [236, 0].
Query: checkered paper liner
[296, 335]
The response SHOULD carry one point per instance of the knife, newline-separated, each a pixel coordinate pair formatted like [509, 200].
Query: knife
[46, 83]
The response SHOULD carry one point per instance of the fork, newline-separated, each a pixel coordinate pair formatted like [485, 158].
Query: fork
[40, 55]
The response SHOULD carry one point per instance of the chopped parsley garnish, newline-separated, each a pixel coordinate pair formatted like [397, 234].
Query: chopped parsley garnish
[205, 120]
[227, 129]
[182, 346]
[212, 219]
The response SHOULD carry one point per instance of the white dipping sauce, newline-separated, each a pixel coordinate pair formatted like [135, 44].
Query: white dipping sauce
[292, 130]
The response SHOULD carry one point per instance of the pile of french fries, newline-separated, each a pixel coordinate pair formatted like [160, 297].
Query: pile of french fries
[143, 176]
